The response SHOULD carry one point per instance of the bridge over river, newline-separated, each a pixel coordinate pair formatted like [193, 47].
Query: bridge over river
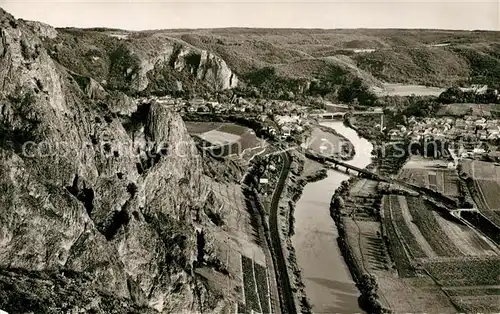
[337, 163]
[435, 196]
[341, 115]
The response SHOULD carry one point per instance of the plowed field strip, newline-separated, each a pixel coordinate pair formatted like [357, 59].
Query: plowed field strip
[424, 245]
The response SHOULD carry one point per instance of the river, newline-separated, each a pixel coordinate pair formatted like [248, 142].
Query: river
[327, 280]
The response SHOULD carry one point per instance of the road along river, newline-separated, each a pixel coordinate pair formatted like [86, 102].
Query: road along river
[327, 280]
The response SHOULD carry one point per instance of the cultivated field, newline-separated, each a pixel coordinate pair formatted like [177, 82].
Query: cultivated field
[426, 232]
[443, 266]
[433, 175]
[481, 170]
[490, 191]
[484, 187]
[393, 240]
[464, 238]
[255, 285]
[451, 253]
[460, 110]
[414, 295]
[465, 272]
[410, 235]
[364, 188]
[478, 304]
[423, 217]
[367, 245]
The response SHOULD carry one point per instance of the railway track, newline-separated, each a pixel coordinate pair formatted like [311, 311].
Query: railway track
[286, 296]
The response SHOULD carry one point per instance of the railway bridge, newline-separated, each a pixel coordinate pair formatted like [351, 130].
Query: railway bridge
[341, 115]
[329, 115]
[339, 164]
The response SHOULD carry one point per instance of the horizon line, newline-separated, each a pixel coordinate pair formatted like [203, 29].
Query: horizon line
[269, 28]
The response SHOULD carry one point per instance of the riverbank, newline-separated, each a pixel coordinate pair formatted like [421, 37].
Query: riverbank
[302, 172]
[351, 242]
[370, 299]
[294, 191]
[327, 280]
[300, 175]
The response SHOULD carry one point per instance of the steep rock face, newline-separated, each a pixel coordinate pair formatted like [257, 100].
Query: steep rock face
[182, 57]
[42, 29]
[117, 207]
[143, 62]
[214, 69]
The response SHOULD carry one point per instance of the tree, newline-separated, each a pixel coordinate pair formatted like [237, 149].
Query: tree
[356, 91]
[451, 95]
[344, 186]
[368, 285]
[338, 203]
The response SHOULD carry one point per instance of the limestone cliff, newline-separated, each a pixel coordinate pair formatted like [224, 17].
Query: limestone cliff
[142, 63]
[93, 218]
[182, 57]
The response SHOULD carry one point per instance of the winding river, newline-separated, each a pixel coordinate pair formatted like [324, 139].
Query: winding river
[327, 280]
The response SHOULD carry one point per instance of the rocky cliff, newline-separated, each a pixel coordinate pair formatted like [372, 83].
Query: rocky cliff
[139, 62]
[100, 198]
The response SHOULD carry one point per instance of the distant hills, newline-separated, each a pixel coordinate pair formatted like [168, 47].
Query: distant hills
[280, 63]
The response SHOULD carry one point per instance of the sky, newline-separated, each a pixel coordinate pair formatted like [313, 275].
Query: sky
[158, 14]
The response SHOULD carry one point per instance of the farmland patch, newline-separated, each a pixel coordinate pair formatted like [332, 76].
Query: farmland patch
[483, 224]
[465, 272]
[396, 247]
[473, 290]
[413, 295]
[363, 237]
[408, 221]
[423, 217]
[481, 170]
[444, 181]
[250, 287]
[407, 237]
[479, 304]
[464, 238]
[491, 193]
[256, 288]
[462, 109]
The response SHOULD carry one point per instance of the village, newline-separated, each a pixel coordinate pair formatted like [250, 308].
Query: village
[284, 118]
[478, 137]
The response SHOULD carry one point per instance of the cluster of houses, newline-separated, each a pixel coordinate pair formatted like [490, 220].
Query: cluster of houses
[469, 129]
[237, 105]
[290, 118]
[291, 124]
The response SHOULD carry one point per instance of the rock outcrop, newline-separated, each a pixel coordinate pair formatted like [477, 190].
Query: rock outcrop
[182, 57]
[100, 198]
[143, 63]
